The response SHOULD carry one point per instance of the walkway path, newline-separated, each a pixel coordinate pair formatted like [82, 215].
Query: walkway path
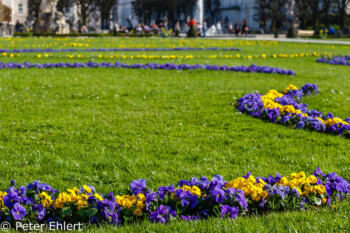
[270, 37]
[290, 40]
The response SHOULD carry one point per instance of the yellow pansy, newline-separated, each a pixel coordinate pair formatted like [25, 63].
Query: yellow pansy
[87, 188]
[137, 212]
[289, 88]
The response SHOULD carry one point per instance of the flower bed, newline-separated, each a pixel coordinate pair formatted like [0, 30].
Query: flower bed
[168, 66]
[288, 110]
[114, 50]
[345, 61]
[190, 200]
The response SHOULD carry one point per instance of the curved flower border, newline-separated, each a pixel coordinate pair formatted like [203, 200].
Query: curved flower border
[168, 66]
[345, 61]
[190, 200]
[115, 50]
[286, 109]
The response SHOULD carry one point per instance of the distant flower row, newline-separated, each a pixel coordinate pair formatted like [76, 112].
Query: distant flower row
[286, 108]
[168, 66]
[188, 200]
[335, 60]
[168, 57]
[114, 50]
[128, 43]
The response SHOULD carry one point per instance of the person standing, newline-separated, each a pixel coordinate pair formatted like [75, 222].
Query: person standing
[237, 28]
[177, 29]
[18, 27]
[205, 27]
[245, 28]
[115, 28]
[230, 28]
[218, 27]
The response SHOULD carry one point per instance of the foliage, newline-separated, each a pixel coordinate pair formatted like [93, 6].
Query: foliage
[146, 10]
[34, 11]
[213, 7]
[62, 5]
[105, 7]
[291, 32]
[192, 32]
[263, 12]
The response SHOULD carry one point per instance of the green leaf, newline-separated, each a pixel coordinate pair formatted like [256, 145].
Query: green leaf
[66, 211]
[87, 212]
[91, 212]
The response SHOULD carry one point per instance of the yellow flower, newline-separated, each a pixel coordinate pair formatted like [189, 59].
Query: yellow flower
[2, 194]
[194, 190]
[72, 197]
[321, 189]
[98, 197]
[81, 204]
[284, 181]
[301, 175]
[133, 199]
[141, 196]
[137, 212]
[334, 121]
[87, 188]
[140, 205]
[311, 179]
[289, 88]
[38, 56]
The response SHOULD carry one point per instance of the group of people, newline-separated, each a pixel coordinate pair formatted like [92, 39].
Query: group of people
[141, 27]
[214, 29]
[238, 28]
[202, 29]
[217, 29]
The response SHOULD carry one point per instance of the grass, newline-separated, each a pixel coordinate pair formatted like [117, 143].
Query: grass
[107, 127]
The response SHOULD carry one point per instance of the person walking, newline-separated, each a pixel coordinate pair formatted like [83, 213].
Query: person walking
[204, 28]
[218, 27]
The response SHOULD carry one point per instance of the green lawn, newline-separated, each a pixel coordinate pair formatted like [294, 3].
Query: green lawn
[107, 127]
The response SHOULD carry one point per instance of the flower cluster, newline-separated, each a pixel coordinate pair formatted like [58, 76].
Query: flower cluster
[335, 60]
[168, 66]
[286, 108]
[190, 200]
[50, 50]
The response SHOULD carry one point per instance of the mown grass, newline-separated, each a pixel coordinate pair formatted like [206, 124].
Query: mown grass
[107, 127]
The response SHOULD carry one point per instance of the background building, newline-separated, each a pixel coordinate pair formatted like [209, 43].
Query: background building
[238, 10]
[228, 11]
[15, 10]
